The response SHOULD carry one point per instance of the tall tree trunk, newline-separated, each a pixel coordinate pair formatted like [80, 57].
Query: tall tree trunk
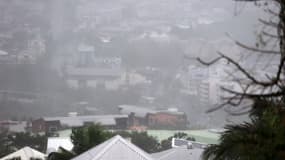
[281, 27]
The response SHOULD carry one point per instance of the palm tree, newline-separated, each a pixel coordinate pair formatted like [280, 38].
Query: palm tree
[262, 138]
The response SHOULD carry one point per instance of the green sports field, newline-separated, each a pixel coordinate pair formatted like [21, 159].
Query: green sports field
[203, 136]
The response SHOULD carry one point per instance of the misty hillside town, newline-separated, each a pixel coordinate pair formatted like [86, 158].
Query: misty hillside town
[142, 79]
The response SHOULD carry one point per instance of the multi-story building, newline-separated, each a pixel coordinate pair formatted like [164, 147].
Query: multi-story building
[145, 117]
[89, 70]
[196, 82]
[204, 92]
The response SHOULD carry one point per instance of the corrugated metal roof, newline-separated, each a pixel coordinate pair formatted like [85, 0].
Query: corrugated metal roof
[80, 120]
[180, 153]
[25, 153]
[138, 111]
[115, 148]
[53, 144]
[183, 142]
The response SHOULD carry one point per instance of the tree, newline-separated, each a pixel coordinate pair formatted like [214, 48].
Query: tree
[262, 137]
[141, 139]
[167, 143]
[20, 140]
[182, 135]
[149, 143]
[83, 138]
[144, 141]
[5, 144]
[10, 142]
[251, 86]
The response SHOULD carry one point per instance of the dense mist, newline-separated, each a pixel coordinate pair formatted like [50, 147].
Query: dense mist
[91, 56]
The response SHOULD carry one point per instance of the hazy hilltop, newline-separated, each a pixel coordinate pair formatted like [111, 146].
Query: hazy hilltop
[165, 29]
[148, 33]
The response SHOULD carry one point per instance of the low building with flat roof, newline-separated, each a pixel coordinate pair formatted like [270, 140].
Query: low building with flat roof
[53, 124]
[54, 144]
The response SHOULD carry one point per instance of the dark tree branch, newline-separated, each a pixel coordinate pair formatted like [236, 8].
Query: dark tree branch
[240, 96]
[242, 111]
[253, 95]
[272, 12]
[269, 23]
[272, 88]
[242, 70]
[210, 62]
[229, 100]
[254, 49]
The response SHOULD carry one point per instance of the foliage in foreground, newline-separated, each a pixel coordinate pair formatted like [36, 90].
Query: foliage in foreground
[262, 138]
[144, 141]
[10, 142]
[84, 138]
[166, 143]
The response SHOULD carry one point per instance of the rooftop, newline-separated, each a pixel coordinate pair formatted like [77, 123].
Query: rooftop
[53, 144]
[25, 153]
[180, 153]
[115, 148]
[80, 120]
[140, 111]
[202, 136]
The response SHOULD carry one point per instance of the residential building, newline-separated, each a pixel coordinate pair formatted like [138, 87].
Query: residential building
[55, 143]
[116, 148]
[179, 153]
[167, 120]
[154, 119]
[195, 80]
[204, 92]
[38, 125]
[176, 142]
[88, 70]
[44, 125]
[182, 149]
[52, 124]
[13, 126]
[137, 115]
[25, 153]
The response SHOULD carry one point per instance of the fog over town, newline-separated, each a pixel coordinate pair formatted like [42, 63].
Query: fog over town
[56, 55]
[124, 64]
